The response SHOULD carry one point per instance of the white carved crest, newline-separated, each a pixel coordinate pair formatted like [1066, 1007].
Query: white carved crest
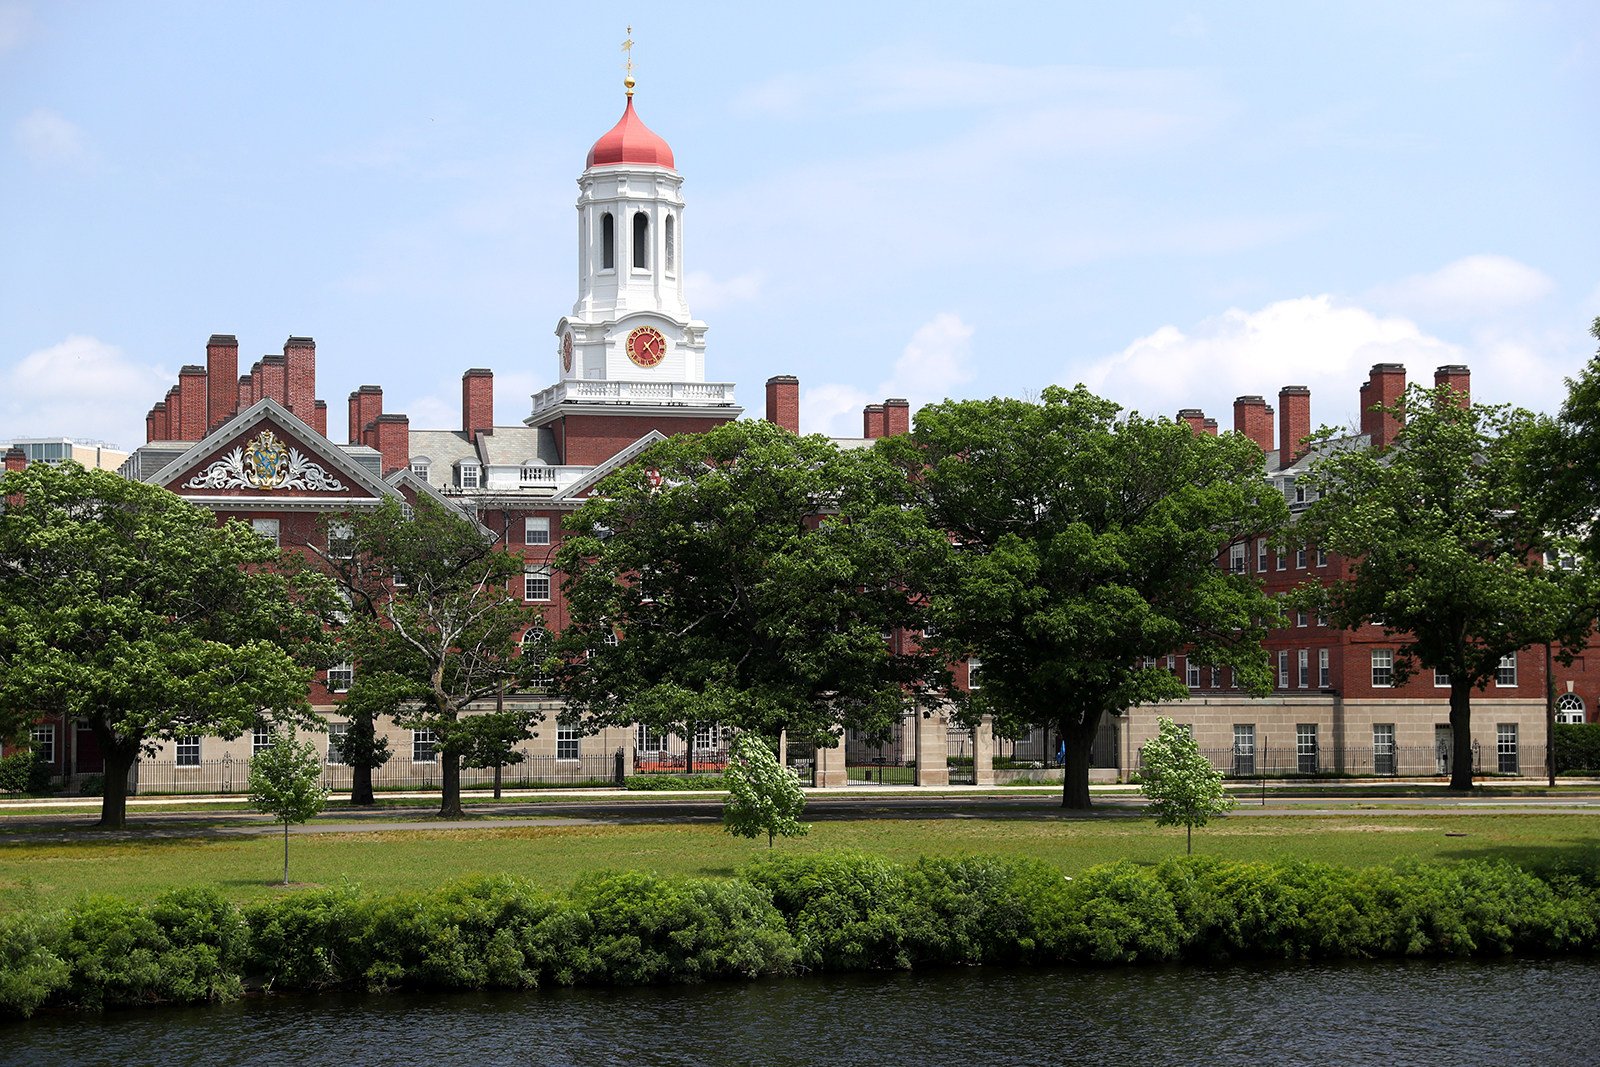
[265, 463]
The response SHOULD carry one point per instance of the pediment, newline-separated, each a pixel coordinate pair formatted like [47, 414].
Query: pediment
[584, 486]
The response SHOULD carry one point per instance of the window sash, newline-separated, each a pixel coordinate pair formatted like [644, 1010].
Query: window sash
[186, 750]
[536, 584]
[536, 531]
[1382, 668]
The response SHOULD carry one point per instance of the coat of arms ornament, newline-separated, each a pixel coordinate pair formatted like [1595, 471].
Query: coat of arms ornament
[265, 463]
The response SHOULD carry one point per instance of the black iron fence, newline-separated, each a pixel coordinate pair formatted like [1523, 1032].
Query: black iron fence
[230, 775]
[1358, 761]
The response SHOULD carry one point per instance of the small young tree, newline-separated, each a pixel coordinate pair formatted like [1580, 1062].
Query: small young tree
[763, 795]
[285, 782]
[491, 740]
[1184, 789]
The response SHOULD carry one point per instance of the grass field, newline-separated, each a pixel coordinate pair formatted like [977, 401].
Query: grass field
[40, 867]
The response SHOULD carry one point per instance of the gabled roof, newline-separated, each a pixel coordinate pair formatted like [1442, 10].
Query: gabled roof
[581, 488]
[405, 478]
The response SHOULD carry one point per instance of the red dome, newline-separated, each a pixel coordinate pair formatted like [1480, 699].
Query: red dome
[630, 141]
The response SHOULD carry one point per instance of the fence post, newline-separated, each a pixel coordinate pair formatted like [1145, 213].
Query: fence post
[618, 772]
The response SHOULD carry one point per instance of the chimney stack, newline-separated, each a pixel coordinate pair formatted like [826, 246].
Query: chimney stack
[391, 436]
[1194, 417]
[366, 404]
[783, 402]
[477, 402]
[1458, 377]
[192, 403]
[16, 459]
[1384, 387]
[319, 417]
[1294, 423]
[174, 409]
[872, 421]
[896, 416]
[1253, 418]
[222, 372]
[300, 377]
[1209, 425]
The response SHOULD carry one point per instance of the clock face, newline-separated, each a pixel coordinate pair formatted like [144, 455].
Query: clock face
[646, 346]
[566, 351]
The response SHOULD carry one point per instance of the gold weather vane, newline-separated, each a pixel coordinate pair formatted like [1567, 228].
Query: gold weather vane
[627, 46]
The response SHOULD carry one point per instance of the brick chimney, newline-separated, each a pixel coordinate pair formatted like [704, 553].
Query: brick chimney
[1458, 377]
[477, 402]
[158, 421]
[391, 436]
[1294, 423]
[255, 382]
[1383, 389]
[150, 425]
[16, 459]
[246, 392]
[222, 372]
[366, 404]
[300, 377]
[319, 417]
[1194, 417]
[1209, 425]
[192, 398]
[872, 421]
[783, 402]
[174, 415]
[1253, 418]
[896, 416]
[274, 381]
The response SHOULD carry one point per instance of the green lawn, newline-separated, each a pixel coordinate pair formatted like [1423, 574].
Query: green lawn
[37, 867]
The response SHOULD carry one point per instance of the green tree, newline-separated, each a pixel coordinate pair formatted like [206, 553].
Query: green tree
[132, 611]
[764, 797]
[1563, 462]
[492, 738]
[1182, 786]
[1441, 543]
[432, 617]
[286, 783]
[372, 696]
[746, 577]
[1087, 544]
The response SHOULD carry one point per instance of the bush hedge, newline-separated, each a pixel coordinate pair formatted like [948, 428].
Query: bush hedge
[779, 916]
[1577, 746]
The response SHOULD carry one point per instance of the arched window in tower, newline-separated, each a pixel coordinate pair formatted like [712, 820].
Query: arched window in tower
[672, 245]
[608, 242]
[641, 239]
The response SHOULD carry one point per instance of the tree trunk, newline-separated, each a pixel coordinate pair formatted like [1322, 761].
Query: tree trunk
[1079, 738]
[361, 786]
[1188, 840]
[119, 758]
[450, 786]
[286, 852]
[497, 770]
[1460, 732]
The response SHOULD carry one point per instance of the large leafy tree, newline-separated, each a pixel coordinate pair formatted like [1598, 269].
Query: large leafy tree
[750, 578]
[1087, 543]
[132, 611]
[1444, 547]
[433, 627]
[1563, 462]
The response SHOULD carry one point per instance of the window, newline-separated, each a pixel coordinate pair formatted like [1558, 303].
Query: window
[1216, 677]
[1191, 672]
[1261, 554]
[1305, 747]
[260, 738]
[1300, 558]
[651, 740]
[186, 750]
[536, 642]
[1303, 662]
[566, 742]
[42, 739]
[469, 476]
[1324, 674]
[339, 678]
[336, 732]
[1383, 748]
[1506, 676]
[1322, 618]
[1283, 668]
[536, 531]
[422, 746]
[974, 665]
[672, 245]
[536, 583]
[419, 467]
[1322, 557]
[1244, 748]
[267, 528]
[1505, 747]
[641, 240]
[1569, 708]
[1382, 668]
[608, 242]
[1172, 663]
[1236, 558]
[1441, 679]
[1283, 561]
[1300, 618]
[341, 540]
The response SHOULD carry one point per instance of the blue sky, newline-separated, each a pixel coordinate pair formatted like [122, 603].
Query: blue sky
[1175, 203]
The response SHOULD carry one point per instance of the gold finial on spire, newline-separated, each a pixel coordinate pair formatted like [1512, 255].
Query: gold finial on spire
[627, 46]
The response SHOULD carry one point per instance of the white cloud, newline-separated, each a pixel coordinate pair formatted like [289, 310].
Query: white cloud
[82, 387]
[931, 365]
[46, 137]
[706, 293]
[1471, 287]
[15, 22]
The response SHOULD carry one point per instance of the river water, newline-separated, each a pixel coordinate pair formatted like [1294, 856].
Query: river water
[1432, 1013]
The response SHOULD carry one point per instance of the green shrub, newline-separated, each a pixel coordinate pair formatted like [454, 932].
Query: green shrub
[25, 771]
[974, 910]
[1577, 746]
[186, 947]
[653, 782]
[847, 911]
[31, 968]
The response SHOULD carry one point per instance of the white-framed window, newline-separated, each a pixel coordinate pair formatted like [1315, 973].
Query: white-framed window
[341, 539]
[267, 528]
[1261, 555]
[536, 583]
[1216, 677]
[1505, 676]
[974, 666]
[1244, 748]
[1236, 557]
[1382, 668]
[1322, 556]
[186, 750]
[336, 732]
[1322, 618]
[650, 740]
[340, 675]
[1305, 747]
[1283, 668]
[1300, 558]
[1303, 663]
[1324, 673]
[608, 242]
[423, 746]
[536, 642]
[1282, 560]
[536, 530]
[1569, 708]
[1505, 748]
[566, 742]
[1300, 618]
[671, 245]
[1172, 663]
[1383, 748]
[1441, 679]
[260, 738]
[407, 512]
[42, 740]
[1191, 672]
[467, 475]
[419, 467]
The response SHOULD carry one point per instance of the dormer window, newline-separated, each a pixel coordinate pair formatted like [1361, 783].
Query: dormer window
[419, 467]
[641, 240]
[468, 475]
